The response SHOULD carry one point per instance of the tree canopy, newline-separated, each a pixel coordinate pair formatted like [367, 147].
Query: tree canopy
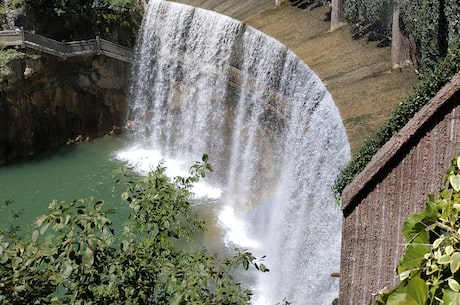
[116, 20]
[75, 256]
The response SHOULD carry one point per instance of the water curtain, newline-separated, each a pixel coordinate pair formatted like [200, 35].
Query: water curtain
[205, 83]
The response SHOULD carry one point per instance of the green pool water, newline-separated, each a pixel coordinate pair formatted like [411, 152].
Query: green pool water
[78, 172]
[69, 173]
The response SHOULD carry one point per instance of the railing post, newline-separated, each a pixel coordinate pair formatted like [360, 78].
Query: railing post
[98, 45]
[23, 38]
[337, 14]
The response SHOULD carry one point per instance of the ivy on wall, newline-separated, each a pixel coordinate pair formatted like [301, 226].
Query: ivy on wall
[378, 11]
[433, 27]
[371, 18]
[452, 11]
[430, 84]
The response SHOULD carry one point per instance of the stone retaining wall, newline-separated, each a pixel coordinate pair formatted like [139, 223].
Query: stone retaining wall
[51, 101]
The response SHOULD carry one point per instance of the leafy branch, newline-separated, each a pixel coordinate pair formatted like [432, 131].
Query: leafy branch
[75, 255]
[430, 268]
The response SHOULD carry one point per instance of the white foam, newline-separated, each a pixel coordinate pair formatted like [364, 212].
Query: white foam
[236, 229]
[145, 159]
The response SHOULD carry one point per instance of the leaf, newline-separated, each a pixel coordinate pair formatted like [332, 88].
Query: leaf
[414, 228]
[155, 230]
[453, 284]
[413, 258]
[67, 270]
[47, 251]
[404, 275]
[67, 219]
[432, 269]
[34, 236]
[450, 297]
[125, 196]
[98, 205]
[400, 297]
[418, 290]
[443, 260]
[263, 268]
[88, 258]
[177, 299]
[124, 246]
[15, 261]
[4, 258]
[455, 262]
[437, 254]
[455, 182]
[40, 220]
[438, 242]
[245, 264]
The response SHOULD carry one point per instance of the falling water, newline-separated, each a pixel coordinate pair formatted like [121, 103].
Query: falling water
[205, 83]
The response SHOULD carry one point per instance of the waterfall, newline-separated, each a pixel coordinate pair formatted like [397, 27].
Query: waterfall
[205, 83]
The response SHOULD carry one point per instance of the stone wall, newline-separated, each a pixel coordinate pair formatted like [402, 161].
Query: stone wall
[51, 101]
[394, 185]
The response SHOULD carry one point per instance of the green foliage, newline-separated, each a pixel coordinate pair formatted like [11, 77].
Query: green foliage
[430, 84]
[6, 6]
[433, 26]
[116, 20]
[371, 18]
[368, 10]
[11, 214]
[430, 268]
[74, 256]
[452, 12]
[6, 56]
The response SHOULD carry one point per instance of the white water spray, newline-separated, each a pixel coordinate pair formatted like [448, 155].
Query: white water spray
[205, 83]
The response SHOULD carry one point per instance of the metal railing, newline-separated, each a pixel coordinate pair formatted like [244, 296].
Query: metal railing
[23, 38]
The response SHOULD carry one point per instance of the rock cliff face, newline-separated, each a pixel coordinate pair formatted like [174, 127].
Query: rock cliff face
[51, 101]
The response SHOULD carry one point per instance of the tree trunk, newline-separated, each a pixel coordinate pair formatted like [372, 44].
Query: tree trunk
[402, 53]
[337, 15]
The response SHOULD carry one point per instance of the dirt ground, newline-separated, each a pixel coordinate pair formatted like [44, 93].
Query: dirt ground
[357, 73]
